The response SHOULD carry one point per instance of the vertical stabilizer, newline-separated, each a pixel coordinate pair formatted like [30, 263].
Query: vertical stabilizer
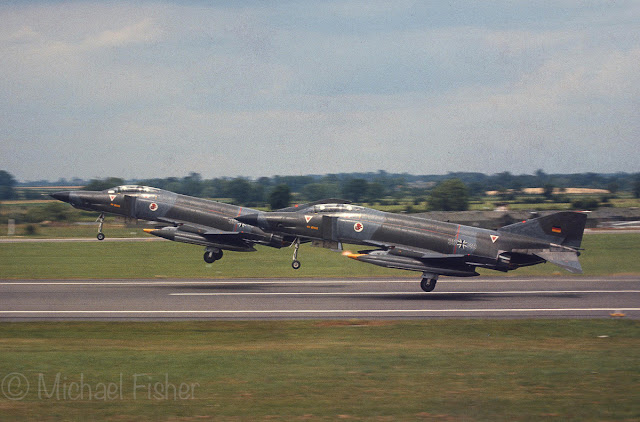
[563, 228]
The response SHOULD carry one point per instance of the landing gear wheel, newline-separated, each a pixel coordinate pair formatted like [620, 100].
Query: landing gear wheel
[211, 256]
[428, 284]
[100, 236]
[295, 265]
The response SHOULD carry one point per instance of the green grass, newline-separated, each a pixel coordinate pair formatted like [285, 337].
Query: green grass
[360, 370]
[155, 259]
[605, 254]
[88, 231]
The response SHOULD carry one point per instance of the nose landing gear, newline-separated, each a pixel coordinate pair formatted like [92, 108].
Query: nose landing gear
[101, 221]
[296, 245]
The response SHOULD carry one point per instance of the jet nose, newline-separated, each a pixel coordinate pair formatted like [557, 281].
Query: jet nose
[61, 196]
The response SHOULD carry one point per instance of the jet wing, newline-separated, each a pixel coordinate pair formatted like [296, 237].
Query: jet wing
[186, 225]
[200, 229]
[418, 253]
[222, 236]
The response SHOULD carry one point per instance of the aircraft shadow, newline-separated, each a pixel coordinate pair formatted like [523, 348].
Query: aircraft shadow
[235, 287]
[465, 297]
[239, 287]
[445, 297]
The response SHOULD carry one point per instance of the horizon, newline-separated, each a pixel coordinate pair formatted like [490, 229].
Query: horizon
[65, 181]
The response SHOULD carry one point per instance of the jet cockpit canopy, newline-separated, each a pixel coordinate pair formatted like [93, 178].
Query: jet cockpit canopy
[133, 189]
[327, 208]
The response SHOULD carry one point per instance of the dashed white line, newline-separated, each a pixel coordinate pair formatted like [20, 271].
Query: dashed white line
[176, 282]
[322, 311]
[513, 292]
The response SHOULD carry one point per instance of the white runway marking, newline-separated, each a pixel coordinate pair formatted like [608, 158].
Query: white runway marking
[175, 282]
[319, 298]
[323, 311]
[395, 293]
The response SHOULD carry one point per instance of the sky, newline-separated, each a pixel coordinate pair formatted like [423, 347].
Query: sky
[142, 89]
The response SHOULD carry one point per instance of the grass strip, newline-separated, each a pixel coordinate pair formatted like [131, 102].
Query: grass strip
[323, 370]
[605, 254]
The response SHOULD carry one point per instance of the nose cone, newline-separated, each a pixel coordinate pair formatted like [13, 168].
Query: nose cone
[61, 196]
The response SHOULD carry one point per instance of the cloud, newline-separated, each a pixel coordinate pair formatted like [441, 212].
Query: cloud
[144, 31]
[254, 89]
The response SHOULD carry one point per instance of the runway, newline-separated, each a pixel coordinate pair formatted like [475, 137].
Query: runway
[318, 299]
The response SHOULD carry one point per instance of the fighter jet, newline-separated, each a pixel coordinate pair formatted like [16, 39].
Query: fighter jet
[181, 218]
[434, 248]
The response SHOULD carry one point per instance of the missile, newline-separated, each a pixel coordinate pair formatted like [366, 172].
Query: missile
[177, 235]
[384, 259]
[172, 233]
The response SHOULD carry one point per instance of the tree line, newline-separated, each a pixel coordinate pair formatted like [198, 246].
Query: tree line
[441, 192]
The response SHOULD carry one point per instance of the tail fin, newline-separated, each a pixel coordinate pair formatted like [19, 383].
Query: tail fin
[563, 228]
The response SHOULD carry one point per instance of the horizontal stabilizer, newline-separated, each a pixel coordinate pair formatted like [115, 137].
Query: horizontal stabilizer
[567, 260]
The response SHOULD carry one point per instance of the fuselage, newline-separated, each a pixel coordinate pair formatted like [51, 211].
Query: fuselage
[192, 217]
[401, 241]
[404, 237]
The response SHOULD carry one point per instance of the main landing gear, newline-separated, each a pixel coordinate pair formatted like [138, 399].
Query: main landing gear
[428, 282]
[211, 255]
[296, 245]
[101, 221]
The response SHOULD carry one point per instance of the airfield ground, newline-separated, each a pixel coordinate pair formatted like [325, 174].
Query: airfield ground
[355, 369]
[324, 370]
[604, 255]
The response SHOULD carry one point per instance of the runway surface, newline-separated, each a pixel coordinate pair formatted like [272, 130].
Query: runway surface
[318, 299]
